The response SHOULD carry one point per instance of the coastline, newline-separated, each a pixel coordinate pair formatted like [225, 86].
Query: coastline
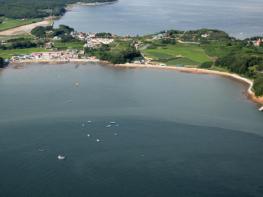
[70, 6]
[249, 92]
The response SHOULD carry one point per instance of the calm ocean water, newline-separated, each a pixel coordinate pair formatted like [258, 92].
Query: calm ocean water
[240, 18]
[175, 134]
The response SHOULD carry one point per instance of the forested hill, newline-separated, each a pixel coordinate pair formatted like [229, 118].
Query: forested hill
[37, 8]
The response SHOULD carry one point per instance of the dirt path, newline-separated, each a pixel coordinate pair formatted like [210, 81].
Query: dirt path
[25, 29]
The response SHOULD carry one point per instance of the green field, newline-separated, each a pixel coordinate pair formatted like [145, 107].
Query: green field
[9, 53]
[26, 36]
[8, 23]
[179, 54]
[69, 45]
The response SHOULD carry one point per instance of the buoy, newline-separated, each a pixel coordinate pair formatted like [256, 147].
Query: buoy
[97, 140]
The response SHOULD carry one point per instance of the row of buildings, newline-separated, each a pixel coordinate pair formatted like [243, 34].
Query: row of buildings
[91, 40]
[58, 55]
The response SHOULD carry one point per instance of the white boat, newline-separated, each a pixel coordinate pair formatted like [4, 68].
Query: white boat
[61, 157]
[77, 84]
[261, 109]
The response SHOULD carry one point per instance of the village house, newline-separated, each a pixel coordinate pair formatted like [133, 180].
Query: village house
[57, 38]
[258, 42]
[205, 35]
[49, 45]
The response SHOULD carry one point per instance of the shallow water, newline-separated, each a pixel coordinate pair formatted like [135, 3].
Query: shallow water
[240, 18]
[176, 134]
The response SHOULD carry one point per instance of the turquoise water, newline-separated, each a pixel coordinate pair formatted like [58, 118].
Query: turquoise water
[240, 18]
[175, 134]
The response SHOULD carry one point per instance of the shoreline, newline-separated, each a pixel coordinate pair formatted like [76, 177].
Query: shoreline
[249, 92]
[70, 6]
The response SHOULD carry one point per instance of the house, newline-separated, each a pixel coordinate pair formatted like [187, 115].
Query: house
[258, 43]
[56, 38]
[205, 35]
[49, 45]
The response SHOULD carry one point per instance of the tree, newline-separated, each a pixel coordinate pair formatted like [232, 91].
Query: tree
[206, 64]
[258, 85]
[39, 32]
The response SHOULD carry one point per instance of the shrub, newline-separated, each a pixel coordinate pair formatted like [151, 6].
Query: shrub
[206, 65]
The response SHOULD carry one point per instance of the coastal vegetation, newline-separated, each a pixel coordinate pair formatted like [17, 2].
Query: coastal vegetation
[118, 52]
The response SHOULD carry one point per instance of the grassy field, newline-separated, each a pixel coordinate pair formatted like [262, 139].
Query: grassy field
[26, 36]
[9, 53]
[8, 23]
[69, 45]
[179, 54]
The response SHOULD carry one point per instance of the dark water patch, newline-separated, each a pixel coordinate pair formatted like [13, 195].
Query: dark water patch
[147, 158]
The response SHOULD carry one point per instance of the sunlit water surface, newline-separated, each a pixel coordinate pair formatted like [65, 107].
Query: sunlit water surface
[240, 18]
